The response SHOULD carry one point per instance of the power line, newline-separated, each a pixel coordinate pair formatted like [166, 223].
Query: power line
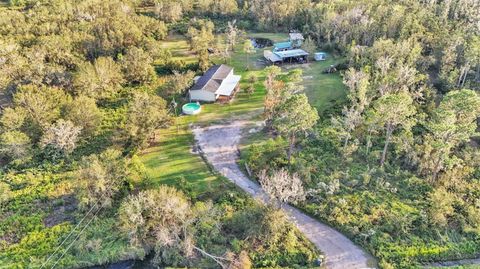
[76, 238]
[70, 234]
[58, 248]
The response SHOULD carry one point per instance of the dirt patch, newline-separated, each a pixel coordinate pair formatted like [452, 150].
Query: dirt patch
[62, 209]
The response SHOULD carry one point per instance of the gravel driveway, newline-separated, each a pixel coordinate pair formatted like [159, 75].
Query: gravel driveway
[220, 146]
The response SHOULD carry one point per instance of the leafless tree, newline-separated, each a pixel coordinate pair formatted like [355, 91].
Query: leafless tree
[62, 135]
[282, 187]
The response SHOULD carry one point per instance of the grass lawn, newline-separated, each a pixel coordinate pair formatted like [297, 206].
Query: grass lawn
[324, 91]
[171, 162]
[179, 48]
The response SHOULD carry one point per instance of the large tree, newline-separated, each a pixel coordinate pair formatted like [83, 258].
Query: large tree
[83, 112]
[294, 117]
[392, 112]
[137, 66]
[15, 146]
[60, 138]
[452, 123]
[200, 35]
[98, 80]
[100, 178]
[146, 113]
[42, 106]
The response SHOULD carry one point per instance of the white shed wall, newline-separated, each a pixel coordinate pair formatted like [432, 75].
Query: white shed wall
[201, 95]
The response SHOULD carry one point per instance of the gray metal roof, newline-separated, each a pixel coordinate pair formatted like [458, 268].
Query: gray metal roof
[291, 53]
[211, 80]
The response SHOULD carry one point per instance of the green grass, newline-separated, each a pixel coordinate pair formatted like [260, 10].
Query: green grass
[179, 48]
[324, 91]
[275, 37]
[171, 161]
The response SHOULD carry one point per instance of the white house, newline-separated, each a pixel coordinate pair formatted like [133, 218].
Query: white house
[218, 83]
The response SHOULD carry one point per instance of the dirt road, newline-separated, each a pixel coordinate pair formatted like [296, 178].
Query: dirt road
[219, 143]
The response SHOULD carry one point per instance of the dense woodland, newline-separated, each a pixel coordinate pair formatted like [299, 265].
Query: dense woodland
[86, 85]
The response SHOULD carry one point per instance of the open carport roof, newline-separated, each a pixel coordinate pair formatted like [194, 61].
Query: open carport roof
[291, 53]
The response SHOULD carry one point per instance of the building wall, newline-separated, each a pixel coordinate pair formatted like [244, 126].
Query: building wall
[203, 96]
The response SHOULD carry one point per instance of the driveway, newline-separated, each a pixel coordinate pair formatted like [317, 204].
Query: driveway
[220, 142]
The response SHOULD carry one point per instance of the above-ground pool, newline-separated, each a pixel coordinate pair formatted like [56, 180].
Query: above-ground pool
[191, 108]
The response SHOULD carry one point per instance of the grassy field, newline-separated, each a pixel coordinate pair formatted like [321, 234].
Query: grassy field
[324, 91]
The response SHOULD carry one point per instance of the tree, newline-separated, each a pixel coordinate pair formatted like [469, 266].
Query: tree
[441, 206]
[159, 219]
[274, 89]
[281, 186]
[178, 83]
[15, 146]
[99, 80]
[271, 74]
[84, 113]
[250, 90]
[42, 106]
[100, 178]
[232, 35]
[309, 46]
[293, 117]
[146, 113]
[392, 112]
[248, 49]
[240, 261]
[137, 66]
[156, 216]
[452, 123]
[252, 78]
[61, 137]
[167, 10]
[13, 118]
[5, 193]
[295, 76]
[200, 35]
[357, 83]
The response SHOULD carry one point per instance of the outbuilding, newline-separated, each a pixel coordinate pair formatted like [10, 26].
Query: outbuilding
[282, 46]
[217, 84]
[294, 55]
[320, 56]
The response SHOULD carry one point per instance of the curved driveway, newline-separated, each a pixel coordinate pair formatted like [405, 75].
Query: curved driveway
[219, 144]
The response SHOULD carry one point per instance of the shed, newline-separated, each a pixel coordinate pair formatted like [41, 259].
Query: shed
[271, 56]
[218, 82]
[291, 53]
[297, 55]
[320, 56]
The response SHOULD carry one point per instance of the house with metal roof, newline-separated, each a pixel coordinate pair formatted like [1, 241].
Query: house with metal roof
[218, 83]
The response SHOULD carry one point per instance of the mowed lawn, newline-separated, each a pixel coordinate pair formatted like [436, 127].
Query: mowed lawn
[324, 91]
[171, 161]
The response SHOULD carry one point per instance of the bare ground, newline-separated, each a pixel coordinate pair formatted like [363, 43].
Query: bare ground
[219, 144]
